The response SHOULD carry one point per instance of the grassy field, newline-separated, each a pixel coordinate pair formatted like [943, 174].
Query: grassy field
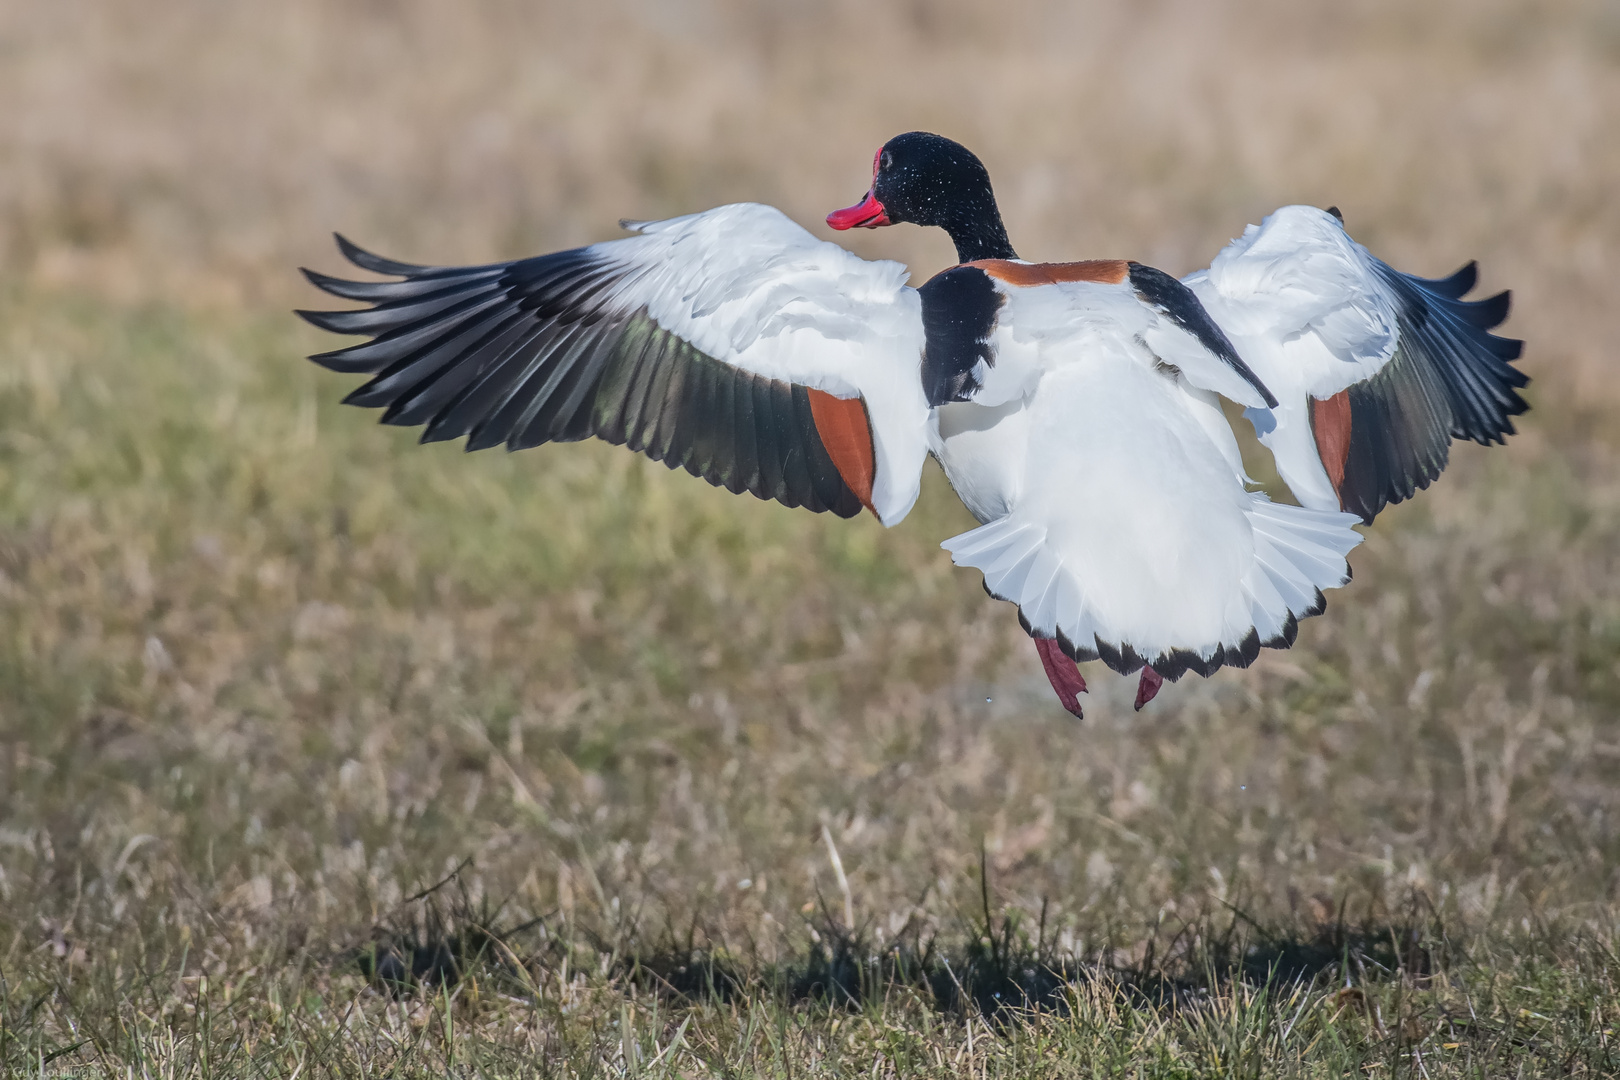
[326, 754]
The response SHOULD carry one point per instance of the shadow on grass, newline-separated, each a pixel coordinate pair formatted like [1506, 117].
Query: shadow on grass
[985, 966]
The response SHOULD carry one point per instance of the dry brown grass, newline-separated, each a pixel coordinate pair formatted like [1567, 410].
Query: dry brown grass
[266, 670]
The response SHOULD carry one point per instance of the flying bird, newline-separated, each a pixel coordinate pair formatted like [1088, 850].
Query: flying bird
[1074, 406]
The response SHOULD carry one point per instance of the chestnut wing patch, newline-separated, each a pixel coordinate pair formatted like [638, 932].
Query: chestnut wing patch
[1330, 424]
[535, 351]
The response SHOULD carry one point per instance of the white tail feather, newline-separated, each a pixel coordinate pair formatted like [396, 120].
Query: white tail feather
[1297, 552]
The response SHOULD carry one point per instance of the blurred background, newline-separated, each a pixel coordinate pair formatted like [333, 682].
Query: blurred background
[267, 669]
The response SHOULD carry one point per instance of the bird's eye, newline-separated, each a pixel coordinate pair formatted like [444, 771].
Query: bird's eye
[886, 161]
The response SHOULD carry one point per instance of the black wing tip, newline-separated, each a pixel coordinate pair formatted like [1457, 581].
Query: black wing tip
[1454, 286]
[1473, 366]
[377, 264]
[366, 397]
[343, 288]
[432, 432]
[1489, 313]
[1463, 279]
[326, 320]
[1483, 315]
[319, 280]
[342, 360]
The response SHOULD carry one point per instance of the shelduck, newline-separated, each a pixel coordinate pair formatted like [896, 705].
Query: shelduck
[1073, 406]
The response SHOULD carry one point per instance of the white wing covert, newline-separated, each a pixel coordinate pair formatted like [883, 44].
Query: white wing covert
[1376, 371]
[731, 343]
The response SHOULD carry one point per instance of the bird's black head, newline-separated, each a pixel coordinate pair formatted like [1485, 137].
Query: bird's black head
[929, 180]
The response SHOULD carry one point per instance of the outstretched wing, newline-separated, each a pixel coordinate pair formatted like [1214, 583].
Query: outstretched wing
[731, 343]
[1376, 370]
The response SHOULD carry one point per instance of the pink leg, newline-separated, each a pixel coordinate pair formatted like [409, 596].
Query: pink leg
[1062, 673]
[1148, 687]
